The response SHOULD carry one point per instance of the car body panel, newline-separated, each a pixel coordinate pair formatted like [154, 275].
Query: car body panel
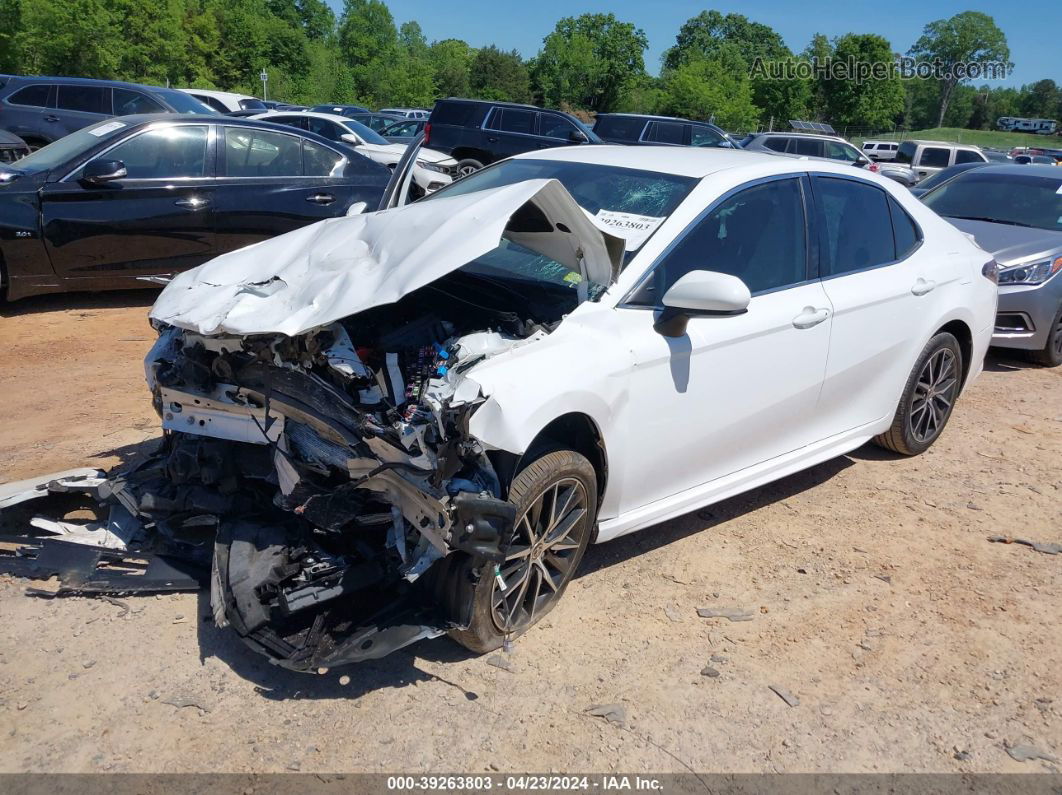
[1037, 304]
[58, 232]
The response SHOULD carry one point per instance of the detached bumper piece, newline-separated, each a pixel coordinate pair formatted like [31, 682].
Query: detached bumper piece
[117, 554]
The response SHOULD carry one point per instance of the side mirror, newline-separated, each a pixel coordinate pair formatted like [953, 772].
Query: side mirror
[577, 137]
[350, 138]
[100, 171]
[705, 293]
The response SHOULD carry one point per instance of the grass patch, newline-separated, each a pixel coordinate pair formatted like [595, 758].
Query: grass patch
[988, 138]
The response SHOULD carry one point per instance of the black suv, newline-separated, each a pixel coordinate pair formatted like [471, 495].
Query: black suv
[476, 132]
[634, 128]
[44, 109]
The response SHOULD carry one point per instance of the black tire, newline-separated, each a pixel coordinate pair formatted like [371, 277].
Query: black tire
[564, 473]
[1051, 354]
[928, 398]
[468, 165]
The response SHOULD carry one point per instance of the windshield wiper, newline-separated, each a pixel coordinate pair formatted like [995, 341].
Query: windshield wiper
[989, 220]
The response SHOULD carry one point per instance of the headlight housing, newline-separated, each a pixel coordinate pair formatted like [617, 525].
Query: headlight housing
[1031, 272]
[432, 167]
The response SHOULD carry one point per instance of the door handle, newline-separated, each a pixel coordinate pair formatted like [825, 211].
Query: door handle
[923, 286]
[492, 140]
[810, 317]
[321, 198]
[192, 203]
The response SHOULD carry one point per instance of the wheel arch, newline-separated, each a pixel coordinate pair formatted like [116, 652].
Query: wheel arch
[961, 331]
[464, 152]
[574, 431]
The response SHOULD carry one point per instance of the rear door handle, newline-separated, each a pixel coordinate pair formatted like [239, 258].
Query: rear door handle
[49, 117]
[321, 198]
[492, 140]
[193, 203]
[923, 286]
[810, 317]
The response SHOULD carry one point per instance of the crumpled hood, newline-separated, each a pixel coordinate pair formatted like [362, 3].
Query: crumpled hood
[336, 268]
[1011, 245]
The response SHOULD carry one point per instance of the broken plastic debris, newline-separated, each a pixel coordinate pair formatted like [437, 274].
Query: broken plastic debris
[785, 695]
[1047, 549]
[731, 613]
[1028, 753]
[613, 713]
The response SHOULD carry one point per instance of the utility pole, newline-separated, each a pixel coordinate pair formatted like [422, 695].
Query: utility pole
[264, 77]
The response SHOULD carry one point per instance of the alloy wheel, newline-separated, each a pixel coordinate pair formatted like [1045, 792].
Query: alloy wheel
[934, 395]
[545, 546]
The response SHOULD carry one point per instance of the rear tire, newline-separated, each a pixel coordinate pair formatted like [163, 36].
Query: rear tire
[548, 544]
[1051, 354]
[928, 398]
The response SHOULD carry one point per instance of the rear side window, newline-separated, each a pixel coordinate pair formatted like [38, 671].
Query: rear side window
[776, 144]
[857, 226]
[460, 114]
[127, 102]
[212, 102]
[257, 153]
[665, 132]
[252, 104]
[807, 147]
[512, 120]
[905, 231]
[626, 128]
[319, 161]
[88, 99]
[934, 157]
[35, 96]
[968, 156]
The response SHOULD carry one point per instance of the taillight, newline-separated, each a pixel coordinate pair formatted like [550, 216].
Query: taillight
[427, 133]
[990, 270]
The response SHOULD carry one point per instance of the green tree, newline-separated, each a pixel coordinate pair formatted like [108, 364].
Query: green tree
[500, 75]
[72, 37]
[1041, 100]
[818, 51]
[716, 88]
[11, 16]
[589, 61]
[969, 37]
[369, 42]
[451, 63]
[874, 102]
[702, 36]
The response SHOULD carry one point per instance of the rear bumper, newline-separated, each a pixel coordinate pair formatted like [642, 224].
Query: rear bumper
[1025, 315]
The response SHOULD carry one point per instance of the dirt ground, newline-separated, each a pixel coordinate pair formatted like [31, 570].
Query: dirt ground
[910, 641]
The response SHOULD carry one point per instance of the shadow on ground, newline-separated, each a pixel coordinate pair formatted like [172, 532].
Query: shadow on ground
[63, 302]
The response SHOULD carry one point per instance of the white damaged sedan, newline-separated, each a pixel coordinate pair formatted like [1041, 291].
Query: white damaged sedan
[414, 421]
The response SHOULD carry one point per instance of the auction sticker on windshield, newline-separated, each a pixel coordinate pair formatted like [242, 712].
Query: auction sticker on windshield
[634, 228]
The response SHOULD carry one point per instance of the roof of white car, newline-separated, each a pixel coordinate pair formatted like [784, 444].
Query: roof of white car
[219, 94]
[687, 161]
[300, 113]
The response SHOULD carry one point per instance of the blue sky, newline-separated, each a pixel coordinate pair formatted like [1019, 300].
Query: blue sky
[1033, 28]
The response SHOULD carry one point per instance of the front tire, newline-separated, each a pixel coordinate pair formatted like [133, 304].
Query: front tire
[928, 398]
[1051, 354]
[468, 166]
[556, 509]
